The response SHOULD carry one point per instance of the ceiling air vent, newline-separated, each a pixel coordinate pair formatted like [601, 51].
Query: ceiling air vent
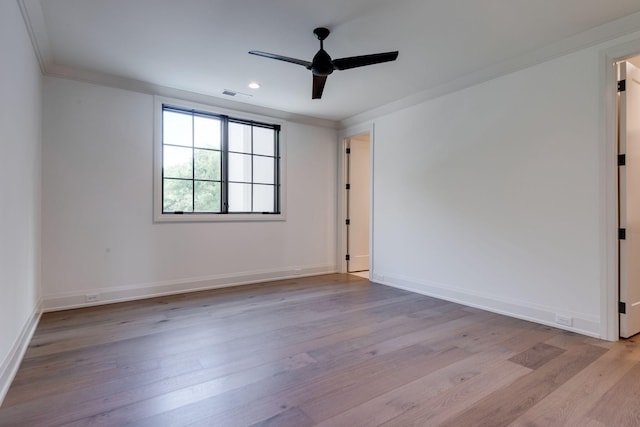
[234, 93]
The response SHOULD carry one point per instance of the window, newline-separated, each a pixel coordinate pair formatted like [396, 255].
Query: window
[212, 166]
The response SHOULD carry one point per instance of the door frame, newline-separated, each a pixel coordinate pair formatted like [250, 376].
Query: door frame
[343, 136]
[609, 292]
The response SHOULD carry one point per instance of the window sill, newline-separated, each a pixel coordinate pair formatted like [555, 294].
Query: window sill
[184, 218]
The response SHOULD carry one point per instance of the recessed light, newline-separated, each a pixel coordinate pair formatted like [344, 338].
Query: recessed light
[254, 85]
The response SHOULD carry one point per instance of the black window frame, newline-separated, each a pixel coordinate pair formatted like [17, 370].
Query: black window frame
[224, 151]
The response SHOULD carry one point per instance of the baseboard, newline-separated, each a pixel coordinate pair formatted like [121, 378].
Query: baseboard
[9, 366]
[157, 289]
[580, 323]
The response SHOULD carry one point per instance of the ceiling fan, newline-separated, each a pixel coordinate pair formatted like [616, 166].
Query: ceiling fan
[322, 65]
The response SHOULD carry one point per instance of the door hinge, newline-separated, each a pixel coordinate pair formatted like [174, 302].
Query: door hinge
[348, 150]
[348, 221]
[622, 233]
[622, 159]
[346, 257]
[622, 85]
[348, 186]
[622, 307]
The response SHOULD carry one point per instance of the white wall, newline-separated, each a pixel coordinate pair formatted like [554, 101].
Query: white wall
[490, 195]
[20, 113]
[98, 233]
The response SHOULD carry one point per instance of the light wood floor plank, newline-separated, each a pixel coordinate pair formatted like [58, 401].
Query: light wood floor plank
[625, 393]
[570, 404]
[504, 405]
[400, 404]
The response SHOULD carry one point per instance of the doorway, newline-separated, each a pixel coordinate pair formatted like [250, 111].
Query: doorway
[357, 161]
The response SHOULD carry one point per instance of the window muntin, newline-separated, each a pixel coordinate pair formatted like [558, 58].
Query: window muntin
[215, 164]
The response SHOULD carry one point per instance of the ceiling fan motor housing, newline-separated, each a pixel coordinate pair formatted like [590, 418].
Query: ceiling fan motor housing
[321, 64]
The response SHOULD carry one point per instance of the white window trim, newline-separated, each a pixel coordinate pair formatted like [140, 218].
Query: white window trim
[159, 216]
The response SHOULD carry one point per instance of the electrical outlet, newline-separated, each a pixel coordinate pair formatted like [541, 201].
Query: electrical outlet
[297, 271]
[564, 320]
[91, 298]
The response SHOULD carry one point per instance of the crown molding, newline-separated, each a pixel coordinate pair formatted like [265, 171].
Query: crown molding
[34, 21]
[594, 36]
[109, 80]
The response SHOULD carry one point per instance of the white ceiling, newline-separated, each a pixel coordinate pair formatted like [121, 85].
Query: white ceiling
[201, 45]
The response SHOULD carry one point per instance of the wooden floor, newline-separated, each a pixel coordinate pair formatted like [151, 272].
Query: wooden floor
[330, 350]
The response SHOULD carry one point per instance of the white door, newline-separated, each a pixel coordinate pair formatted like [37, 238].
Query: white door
[358, 203]
[629, 187]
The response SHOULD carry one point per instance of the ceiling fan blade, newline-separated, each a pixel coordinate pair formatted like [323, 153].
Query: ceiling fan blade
[318, 86]
[281, 58]
[361, 61]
